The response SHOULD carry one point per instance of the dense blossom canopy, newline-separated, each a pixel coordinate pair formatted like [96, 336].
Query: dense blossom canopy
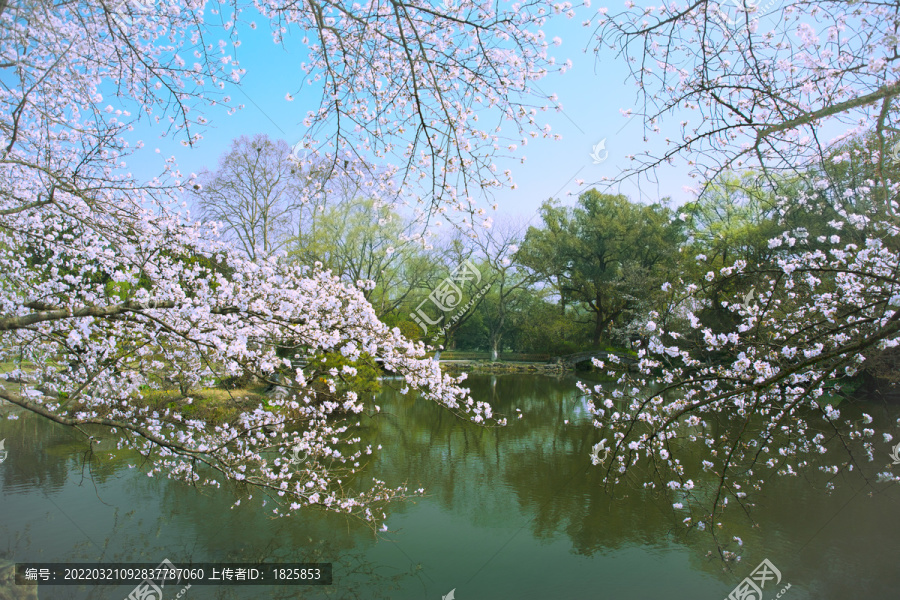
[805, 93]
[107, 280]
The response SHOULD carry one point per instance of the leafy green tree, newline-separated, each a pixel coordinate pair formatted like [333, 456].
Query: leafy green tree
[732, 220]
[608, 254]
[473, 334]
[537, 326]
[508, 280]
[360, 240]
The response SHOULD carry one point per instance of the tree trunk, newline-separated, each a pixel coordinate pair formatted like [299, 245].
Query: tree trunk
[598, 324]
[598, 328]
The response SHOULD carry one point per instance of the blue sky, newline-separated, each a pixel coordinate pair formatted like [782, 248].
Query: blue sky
[591, 94]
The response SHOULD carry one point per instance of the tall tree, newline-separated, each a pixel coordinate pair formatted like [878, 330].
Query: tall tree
[498, 246]
[607, 254]
[732, 220]
[254, 193]
[364, 240]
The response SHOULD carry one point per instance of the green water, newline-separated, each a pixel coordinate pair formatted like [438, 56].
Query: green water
[513, 513]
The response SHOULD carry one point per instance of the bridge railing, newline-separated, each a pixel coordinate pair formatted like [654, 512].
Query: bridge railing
[578, 357]
[502, 356]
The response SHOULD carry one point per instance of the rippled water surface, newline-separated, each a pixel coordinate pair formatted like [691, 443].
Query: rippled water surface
[512, 513]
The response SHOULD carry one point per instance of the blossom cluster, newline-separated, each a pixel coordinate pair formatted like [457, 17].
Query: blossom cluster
[109, 285]
[760, 400]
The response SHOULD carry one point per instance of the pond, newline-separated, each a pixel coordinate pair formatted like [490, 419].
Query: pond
[510, 513]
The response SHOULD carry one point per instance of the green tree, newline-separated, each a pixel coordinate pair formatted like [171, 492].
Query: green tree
[360, 240]
[537, 326]
[608, 255]
[508, 280]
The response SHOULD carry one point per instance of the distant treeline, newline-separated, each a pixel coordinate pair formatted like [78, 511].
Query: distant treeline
[586, 276]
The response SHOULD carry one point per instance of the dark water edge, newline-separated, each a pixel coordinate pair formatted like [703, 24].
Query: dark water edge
[514, 513]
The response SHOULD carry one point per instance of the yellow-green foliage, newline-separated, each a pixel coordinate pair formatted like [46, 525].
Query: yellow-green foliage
[409, 330]
[211, 405]
[365, 382]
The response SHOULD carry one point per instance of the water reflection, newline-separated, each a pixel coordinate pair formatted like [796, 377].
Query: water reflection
[515, 512]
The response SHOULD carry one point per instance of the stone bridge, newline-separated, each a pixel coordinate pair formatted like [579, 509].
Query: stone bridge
[570, 360]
